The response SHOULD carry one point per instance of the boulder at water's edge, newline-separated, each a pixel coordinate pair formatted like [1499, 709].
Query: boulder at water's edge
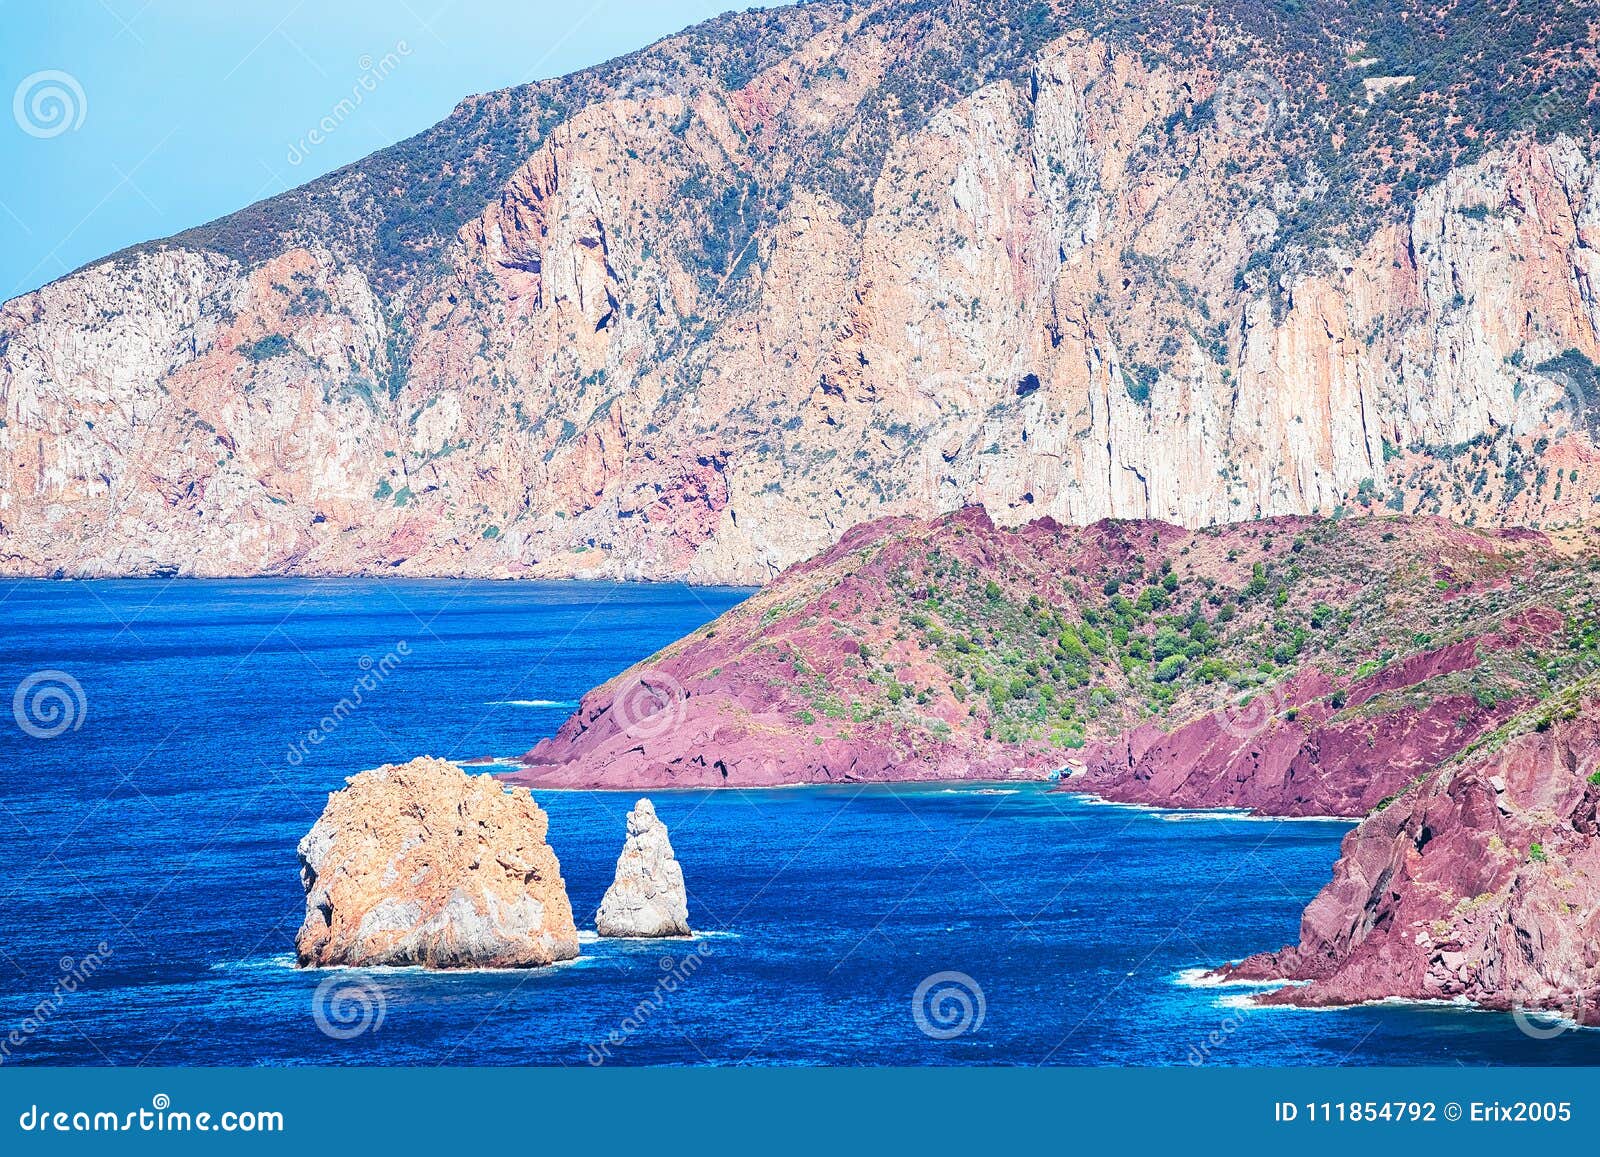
[420, 863]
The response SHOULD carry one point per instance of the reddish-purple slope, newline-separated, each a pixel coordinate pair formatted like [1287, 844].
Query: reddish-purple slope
[1295, 666]
[1480, 883]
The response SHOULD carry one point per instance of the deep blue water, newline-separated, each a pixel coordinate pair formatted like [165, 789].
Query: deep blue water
[163, 824]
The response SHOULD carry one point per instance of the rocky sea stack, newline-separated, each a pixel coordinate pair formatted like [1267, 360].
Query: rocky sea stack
[420, 863]
[647, 898]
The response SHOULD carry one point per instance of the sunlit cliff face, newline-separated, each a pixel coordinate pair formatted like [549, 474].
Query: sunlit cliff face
[683, 319]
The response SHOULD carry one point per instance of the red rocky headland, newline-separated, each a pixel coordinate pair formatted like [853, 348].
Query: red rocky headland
[1433, 679]
[1480, 883]
[1296, 666]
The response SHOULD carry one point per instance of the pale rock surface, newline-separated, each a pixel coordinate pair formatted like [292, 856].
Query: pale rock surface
[647, 898]
[420, 863]
[1047, 305]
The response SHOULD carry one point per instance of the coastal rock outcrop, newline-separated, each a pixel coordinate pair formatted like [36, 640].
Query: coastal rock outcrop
[647, 898]
[1479, 883]
[420, 863]
[1294, 666]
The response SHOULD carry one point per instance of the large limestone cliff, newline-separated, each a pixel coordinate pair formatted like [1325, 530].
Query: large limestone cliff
[697, 312]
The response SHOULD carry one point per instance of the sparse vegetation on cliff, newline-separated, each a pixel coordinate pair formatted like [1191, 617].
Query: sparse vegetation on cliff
[959, 645]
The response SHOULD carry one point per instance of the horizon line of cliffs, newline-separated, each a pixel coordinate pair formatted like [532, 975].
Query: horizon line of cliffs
[423, 864]
[1436, 680]
[1066, 281]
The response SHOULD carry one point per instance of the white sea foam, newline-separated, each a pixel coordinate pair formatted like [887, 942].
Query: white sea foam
[1221, 813]
[1423, 1002]
[286, 960]
[1207, 978]
[1243, 814]
[1088, 797]
[1454, 1003]
[530, 703]
[589, 937]
[1243, 1000]
[281, 960]
[1179, 815]
[1251, 1000]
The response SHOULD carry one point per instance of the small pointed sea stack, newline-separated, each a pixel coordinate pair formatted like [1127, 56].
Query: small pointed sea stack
[420, 863]
[647, 898]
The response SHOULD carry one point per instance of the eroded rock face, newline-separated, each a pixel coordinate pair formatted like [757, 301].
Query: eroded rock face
[1061, 292]
[420, 863]
[647, 898]
[1127, 656]
[1481, 883]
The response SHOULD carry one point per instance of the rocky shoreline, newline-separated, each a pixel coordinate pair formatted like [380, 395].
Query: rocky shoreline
[1480, 883]
[1434, 683]
[1404, 673]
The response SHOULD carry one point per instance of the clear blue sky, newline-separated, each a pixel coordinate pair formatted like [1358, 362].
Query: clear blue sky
[173, 112]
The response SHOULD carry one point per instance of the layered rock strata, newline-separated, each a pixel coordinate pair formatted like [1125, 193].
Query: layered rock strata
[695, 313]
